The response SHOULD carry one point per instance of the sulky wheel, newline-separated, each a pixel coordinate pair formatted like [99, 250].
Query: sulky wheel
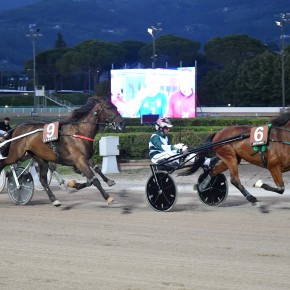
[2, 180]
[161, 191]
[24, 193]
[216, 192]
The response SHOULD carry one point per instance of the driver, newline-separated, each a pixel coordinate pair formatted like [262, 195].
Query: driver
[160, 146]
[2, 136]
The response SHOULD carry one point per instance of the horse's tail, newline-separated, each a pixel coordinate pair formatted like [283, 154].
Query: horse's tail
[199, 158]
[208, 140]
[210, 137]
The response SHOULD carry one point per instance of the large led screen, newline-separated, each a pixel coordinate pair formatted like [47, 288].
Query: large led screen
[164, 92]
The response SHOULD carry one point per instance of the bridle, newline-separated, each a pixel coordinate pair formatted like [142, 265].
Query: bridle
[109, 121]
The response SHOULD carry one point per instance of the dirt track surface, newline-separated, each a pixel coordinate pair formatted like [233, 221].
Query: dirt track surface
[84, 244]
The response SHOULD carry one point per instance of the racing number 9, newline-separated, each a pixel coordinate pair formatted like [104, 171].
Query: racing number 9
[50, 132]
[50, 129]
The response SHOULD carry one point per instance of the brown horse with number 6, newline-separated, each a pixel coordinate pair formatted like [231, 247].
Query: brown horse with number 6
[73, 145]
[266, 146]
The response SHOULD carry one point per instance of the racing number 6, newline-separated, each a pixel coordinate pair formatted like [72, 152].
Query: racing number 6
[259, 134]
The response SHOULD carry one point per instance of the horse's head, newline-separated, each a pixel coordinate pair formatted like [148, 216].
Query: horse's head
[108, 114]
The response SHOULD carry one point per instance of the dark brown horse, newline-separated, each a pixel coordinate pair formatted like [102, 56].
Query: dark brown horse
[275, 156]
[74, 146]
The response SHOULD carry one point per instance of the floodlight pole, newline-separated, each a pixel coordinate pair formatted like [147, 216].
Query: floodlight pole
[284, 19]
[153, 31]
[33, 34]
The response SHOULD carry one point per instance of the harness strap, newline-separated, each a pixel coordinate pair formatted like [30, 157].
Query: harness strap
[282, 142]
[263, 158]
[54, 149]
[83, 137]
[262, 148]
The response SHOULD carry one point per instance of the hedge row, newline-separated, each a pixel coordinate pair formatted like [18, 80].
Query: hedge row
[193, 132]
[205, 121]
[134, 146]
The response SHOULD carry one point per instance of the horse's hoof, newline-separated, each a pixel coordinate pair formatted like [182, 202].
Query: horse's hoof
[56, 203]
[264, 209]
[111, 182]
[252, 199]
[72, 183]
[259, 183]
[110, 200]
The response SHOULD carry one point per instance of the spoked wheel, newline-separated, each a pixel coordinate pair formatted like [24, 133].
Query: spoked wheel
[35, 174]
[216, 192]
[24, 193]
[2, 180]
[161, 191]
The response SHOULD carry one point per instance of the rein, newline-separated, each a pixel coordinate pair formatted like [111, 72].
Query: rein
[108, 123]
[82, 137]
[281, 141]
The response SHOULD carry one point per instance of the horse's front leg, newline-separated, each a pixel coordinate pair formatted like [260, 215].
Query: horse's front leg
[43, 168]
[110, 182]
[232, 165]
[278, 179]
[84, 167]
[244, 192]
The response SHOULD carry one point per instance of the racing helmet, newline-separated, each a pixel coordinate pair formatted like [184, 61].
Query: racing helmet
[162, 123]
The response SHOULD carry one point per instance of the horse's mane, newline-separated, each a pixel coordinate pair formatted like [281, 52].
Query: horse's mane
[78, 113]
[281, 119]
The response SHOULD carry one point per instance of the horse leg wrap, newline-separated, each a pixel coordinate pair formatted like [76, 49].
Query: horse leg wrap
[279, 190]
[251, 198]
[259, 183]
[265, 186]
[244, 192]
[90, 181]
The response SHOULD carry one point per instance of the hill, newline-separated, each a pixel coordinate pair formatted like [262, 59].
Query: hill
[117, 20]
[9, 4]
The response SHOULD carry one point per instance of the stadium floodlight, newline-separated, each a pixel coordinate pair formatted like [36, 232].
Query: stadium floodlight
[33, 35]
[153, 31]
[284, 19]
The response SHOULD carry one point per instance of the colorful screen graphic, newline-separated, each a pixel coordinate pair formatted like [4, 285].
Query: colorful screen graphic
[164, 92]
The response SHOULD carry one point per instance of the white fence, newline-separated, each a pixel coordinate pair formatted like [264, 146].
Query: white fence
[201, 111]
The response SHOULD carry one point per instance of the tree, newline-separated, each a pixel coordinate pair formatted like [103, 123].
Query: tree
[46, 68]
[259, 81]
[287, 75]
[60, 43]
[91, 58]
[172, 50]
[131, 52]
[217, 87]
[223, 50]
